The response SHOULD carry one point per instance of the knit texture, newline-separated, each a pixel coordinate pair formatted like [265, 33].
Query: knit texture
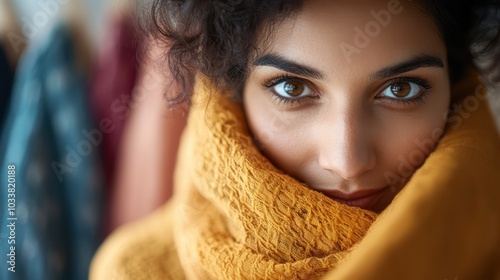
[235, 216]
[239, 216]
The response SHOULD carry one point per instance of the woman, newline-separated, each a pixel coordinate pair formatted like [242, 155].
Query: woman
[335, 139]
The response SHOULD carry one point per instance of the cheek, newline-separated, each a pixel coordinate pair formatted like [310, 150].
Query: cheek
[407, 149]
[281, 136]
[405, 143]
[401, 140]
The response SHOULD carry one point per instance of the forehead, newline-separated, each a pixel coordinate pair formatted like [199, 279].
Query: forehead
[356, 36]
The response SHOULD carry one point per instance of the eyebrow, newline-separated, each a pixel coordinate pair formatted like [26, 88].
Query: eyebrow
[282, 63]
[409, 65]
[415, 62]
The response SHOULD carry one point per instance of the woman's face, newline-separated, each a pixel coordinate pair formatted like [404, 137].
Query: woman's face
[350, 97]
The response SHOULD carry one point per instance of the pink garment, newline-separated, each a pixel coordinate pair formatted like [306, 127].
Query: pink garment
[147, 155]
[113, 80]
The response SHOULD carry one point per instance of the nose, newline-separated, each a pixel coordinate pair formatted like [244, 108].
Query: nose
[346, 146]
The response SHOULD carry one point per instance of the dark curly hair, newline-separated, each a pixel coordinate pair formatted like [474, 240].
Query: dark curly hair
[218, 38]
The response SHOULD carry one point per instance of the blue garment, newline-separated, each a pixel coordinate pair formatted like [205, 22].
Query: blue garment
[58, 180]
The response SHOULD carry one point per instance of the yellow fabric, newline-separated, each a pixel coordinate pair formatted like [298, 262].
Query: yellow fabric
[235, 216]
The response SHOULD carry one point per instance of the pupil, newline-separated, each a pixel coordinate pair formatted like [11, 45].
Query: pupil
[401, 89]
[294, 88]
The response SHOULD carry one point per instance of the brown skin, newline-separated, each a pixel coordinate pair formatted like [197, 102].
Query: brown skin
[347, 131]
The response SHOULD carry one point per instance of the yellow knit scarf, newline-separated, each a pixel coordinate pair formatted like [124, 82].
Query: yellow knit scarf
[235, 216]
[241, 218]
[239, 215]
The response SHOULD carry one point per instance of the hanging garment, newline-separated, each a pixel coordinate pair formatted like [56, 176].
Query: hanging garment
[235, 216]
[114, 77]
[50, 144]
[148, 152]
[6, 82]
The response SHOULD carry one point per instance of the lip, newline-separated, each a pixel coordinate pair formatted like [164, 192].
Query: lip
[362, 198]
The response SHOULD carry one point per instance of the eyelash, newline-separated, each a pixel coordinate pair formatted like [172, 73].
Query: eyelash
[270, 83]
[419, 99]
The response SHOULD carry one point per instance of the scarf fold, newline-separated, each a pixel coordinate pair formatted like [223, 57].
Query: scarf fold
[445, 223]
[235, 216]
[238, 210]
[238, 217]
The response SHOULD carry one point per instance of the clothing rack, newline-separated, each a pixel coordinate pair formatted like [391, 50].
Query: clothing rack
[65, 86]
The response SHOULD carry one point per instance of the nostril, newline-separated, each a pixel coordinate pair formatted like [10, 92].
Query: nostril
[348, 164]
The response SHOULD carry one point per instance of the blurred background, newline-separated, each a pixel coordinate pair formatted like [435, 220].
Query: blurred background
[87, 142]
[94, 13]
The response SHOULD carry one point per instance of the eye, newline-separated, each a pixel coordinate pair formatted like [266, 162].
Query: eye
[292, 89]
[402, 90]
